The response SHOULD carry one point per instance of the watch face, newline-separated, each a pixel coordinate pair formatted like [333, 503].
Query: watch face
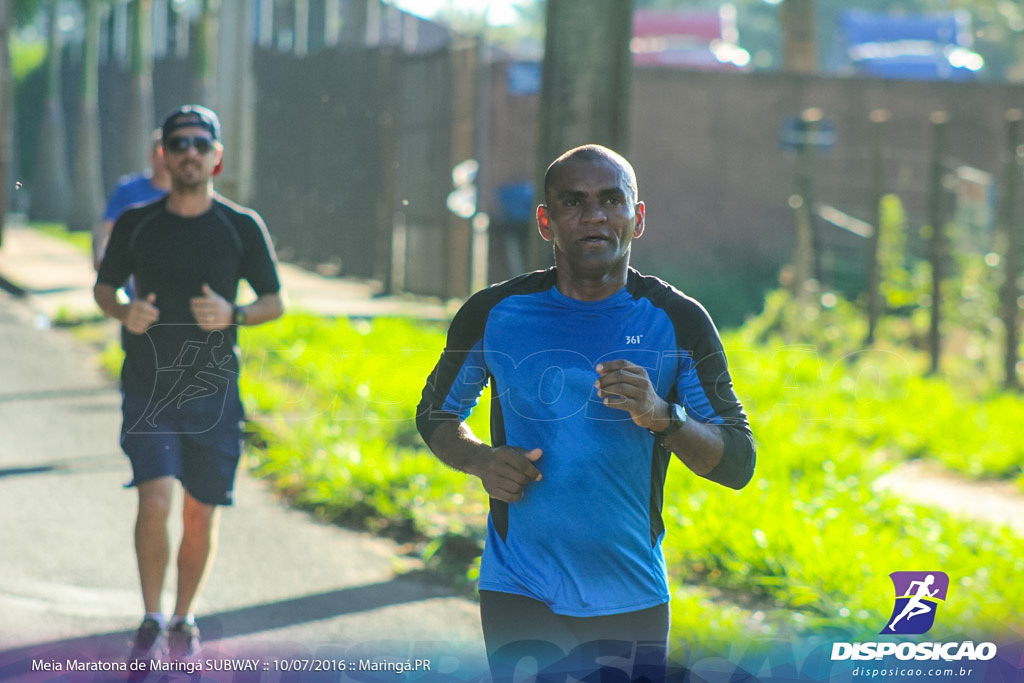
[678, 416]
[676, 420]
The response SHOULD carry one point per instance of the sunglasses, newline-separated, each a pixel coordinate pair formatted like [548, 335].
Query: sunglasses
[179, 144]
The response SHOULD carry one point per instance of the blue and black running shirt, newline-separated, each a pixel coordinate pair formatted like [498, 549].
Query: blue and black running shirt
[586, 539]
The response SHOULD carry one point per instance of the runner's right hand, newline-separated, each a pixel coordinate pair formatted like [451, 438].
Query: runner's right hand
[508, 470]
[142, 313]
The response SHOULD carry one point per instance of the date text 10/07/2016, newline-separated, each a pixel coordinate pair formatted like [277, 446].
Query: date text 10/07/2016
[394, 666]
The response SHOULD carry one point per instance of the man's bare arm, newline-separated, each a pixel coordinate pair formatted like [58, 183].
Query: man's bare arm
[505, 471]
[136, 316]
[100, 236]
[266, 308]
[214, 312]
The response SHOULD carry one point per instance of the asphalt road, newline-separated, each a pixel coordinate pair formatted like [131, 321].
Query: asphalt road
[282, 586]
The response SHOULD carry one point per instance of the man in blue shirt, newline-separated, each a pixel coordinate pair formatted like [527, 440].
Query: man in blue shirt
[132, 190]
[598, 374]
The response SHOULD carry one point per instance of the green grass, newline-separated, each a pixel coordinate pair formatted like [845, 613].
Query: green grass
[334, 403]
[959, 418]
[806, 548]
[81, 240]
[809, 534]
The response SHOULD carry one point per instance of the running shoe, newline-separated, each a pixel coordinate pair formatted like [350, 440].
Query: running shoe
[183, 641]
[149, 642]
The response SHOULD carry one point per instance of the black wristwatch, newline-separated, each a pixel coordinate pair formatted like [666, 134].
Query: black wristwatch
[677, 418]
[239, 317]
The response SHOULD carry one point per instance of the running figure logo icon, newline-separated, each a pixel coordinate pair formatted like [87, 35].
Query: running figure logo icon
[200, 372]
[917, 597]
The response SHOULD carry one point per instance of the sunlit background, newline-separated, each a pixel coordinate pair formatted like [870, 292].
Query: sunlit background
[400, 94]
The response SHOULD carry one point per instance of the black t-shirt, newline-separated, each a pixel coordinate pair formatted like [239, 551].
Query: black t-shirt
[173, 256]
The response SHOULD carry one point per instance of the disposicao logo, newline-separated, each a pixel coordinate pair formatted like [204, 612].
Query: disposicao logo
[918, 595]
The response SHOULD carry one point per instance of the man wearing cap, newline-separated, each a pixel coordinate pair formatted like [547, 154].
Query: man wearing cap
[182, 415]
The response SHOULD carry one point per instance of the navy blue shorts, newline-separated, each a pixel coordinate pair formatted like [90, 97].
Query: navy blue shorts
[196, 439]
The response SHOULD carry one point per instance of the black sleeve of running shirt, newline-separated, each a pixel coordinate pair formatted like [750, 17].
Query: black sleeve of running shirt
[697, 336]
[739, 454]
[466, 330]
[117, 265]
[259, 262]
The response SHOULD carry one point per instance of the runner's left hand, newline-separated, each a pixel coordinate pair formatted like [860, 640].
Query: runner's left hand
[626, 386]
[211, 310]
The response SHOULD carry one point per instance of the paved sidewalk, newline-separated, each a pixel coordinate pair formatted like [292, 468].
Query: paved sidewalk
[283, 586]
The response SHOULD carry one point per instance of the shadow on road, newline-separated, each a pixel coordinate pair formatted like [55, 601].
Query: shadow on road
[86, 464]
[52, 394]
[22, 471]
[113, 646]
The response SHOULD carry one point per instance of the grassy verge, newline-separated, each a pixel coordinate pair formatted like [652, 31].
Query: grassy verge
[82, 240]
[334, 402]
[811, 536]
[959, 417]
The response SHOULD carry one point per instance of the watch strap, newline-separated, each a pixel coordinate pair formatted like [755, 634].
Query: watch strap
[676, 417]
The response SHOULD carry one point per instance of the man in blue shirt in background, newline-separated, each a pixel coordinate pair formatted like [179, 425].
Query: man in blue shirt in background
[132, 190]
[598, 374]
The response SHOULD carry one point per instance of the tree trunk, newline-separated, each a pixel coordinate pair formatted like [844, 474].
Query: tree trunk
[141, 117]
[873, 276]
[204, 56]
[807, 253]
[6, 92]
[87, 200]
[586, 82]
[937, 247]
[799, 36]
[237, 109]
[300, 28]
[1010, 237]
[353, 25]
[458, 238]
[50, 185]
[389, 225]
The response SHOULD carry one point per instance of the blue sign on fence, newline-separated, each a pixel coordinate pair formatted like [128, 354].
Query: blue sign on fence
[798, 133]
[524, 78]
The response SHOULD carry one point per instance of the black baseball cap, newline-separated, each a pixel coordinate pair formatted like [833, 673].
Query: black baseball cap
[191, 115]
